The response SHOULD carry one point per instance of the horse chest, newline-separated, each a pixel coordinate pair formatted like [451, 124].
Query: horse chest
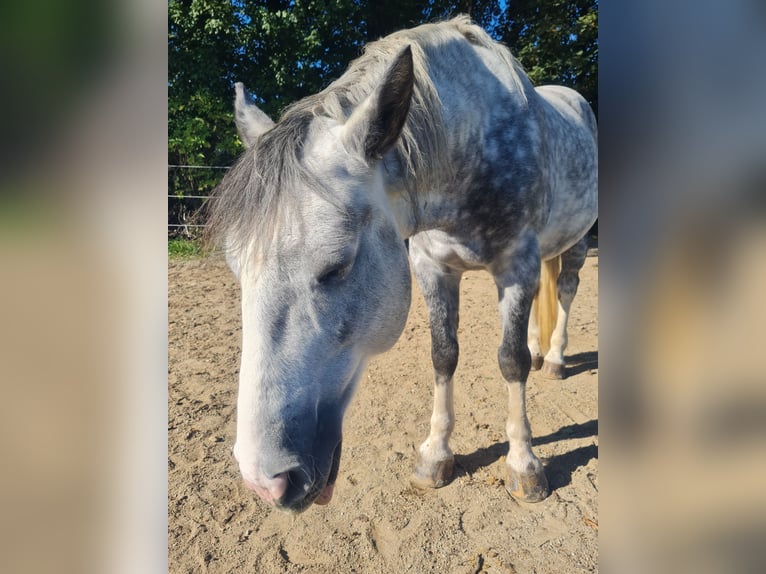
[455, 252]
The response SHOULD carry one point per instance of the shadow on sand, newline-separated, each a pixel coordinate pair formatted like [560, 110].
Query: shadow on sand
[581, 363]
[558, 468]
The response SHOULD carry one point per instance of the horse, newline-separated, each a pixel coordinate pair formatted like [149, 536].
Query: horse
[433, 135]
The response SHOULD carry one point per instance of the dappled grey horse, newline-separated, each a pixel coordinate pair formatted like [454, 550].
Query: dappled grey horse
[433, 134]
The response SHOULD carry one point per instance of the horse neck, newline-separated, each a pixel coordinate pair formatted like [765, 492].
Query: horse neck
[414, 207]
[419, 176]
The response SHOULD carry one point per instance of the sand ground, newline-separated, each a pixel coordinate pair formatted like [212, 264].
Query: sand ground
[376, 521]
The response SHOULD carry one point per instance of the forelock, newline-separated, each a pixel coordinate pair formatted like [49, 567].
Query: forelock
[264, 184]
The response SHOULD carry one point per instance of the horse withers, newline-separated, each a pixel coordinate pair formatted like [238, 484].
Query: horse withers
[434, 134]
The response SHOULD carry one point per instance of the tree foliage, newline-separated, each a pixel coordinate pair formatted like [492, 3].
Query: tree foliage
[284, 50]
[556, 41]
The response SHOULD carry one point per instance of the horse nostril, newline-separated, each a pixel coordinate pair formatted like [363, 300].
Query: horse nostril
[293, 489]
[298, 488]
[295, 481]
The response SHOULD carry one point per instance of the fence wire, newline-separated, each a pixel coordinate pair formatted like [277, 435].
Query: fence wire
[175, 228]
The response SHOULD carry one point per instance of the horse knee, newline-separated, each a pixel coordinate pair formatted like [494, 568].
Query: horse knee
[514, 362]
[444, 354]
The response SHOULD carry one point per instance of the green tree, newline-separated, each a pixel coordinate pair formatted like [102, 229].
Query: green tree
[203, 41]
[292, 48]
[556, 41]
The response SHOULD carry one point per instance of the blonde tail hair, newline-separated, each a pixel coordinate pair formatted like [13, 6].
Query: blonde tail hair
[547, 302]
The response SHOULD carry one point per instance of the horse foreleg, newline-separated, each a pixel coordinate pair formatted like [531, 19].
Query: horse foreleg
[568, 280]
[441, 290]
[516, 289]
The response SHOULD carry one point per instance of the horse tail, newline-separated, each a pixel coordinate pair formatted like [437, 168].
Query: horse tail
[546, 302]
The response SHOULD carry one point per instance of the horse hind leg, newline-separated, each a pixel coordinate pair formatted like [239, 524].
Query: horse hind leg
[572, 260]
[533, 338]
[526, 478]
[441, 290]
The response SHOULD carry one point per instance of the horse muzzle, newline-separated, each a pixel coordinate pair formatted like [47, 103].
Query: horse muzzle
[297, 488]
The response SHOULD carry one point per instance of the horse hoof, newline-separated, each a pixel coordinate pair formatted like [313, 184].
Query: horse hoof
[433, 475]
[537, 362]
[553, 370]
[528, 486]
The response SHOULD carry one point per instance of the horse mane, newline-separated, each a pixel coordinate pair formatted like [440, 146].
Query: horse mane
[255, 194]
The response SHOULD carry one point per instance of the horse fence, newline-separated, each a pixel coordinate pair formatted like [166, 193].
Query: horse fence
[185, 200]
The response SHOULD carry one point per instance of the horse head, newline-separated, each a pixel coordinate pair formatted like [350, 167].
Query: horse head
[324, 276]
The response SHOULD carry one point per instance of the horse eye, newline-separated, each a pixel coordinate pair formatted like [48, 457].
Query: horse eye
[333, 274]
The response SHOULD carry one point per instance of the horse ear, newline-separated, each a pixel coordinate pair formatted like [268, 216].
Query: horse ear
[251, 122]
[374, 126]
